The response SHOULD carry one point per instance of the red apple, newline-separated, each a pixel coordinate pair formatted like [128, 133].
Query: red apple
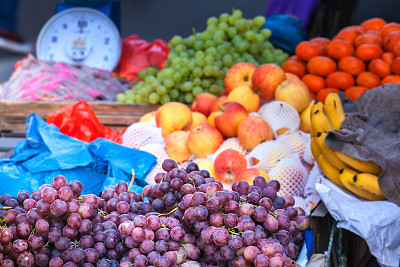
[266, 79]
[238, 75]
[228, 117]
[176, 146]
[203, 103]
[228, 164]
[218, 102]
[204, 140]
[251, 173]
[252, 131]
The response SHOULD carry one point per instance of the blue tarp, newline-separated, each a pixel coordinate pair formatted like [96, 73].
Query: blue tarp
[46, 153]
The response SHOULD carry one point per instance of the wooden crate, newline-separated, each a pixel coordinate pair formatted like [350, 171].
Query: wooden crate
[115, 115]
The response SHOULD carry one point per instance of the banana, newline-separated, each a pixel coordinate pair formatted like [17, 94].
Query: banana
[328, 153]
[320, 122]
[360, 165]
[329, 170]
[334, 109]
[364, 185]
[315, 149]
[318, 105]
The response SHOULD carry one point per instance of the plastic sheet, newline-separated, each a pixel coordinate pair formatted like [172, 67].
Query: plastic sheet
[46, 152]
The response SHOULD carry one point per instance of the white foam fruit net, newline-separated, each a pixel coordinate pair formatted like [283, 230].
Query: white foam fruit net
[159, 151]
[291, 174]
[230, 143]
[296, 141]
[280, 115]
[266, 155]
[142, 133]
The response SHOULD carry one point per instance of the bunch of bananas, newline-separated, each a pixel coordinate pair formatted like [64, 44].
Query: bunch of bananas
[355, 175]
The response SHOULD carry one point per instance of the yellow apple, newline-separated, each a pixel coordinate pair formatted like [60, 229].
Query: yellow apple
[238, 75]
[149, 116]
[177, 147]
[252, 131]
[207, 165]
[245, 96]
[173, 116]
[204, 140]
[293, 92]
[197, 118]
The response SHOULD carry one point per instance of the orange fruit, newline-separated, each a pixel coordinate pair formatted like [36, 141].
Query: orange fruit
[295, 66]
[380, 67]
[321, 65]
[354, 92]
[368, 38]
[347, 34]
[388, 28]
[322, 43]
[388, 57]
[313, 82]
[396, 66]
[391, 40]
[339, 48]
[358, 28]
[391, 79]
[396, 50]
[352, 65]
[340, 80]
[367, 52]
[306, 50]
[373, 24]
[323, 93]
[368, 79]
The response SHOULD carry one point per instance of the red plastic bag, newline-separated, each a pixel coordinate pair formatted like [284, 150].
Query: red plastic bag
[138, 54]
[80, 121]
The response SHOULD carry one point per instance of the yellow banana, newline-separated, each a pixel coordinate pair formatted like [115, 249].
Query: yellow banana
[315, 149]
[364, 185]
[317, 105]
[330, 171]
[360, 165]
[334, 109]
[328, 153]
[320, 122]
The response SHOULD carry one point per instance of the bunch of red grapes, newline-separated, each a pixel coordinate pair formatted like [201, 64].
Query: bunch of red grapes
[188, 220]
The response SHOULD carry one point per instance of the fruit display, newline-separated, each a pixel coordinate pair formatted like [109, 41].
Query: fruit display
[198, 63]
[355, 175]
[188, 220]
[357, 59]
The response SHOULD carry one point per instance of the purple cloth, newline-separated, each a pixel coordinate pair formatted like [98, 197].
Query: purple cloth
[302, 9]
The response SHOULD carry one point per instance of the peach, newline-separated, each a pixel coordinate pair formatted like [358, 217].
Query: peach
[251, 173]
[228, 164]
[295, 93]
[245, 96]
[218, 102]
[228, 117]
[197, 118]
[266, 79]
[238, 75]
[204, 140]
[252, 131]
[173, 116]
[203, 103]
[149, 116]
[177, 147]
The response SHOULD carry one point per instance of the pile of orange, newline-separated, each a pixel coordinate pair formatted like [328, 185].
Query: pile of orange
[357, 59]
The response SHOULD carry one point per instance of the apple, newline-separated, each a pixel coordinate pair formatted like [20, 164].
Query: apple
[228, 164]
[238, 75]
[305, 119]
[252, 131]
[266, 79]
[293, 92]
[177, 147]
[149, 116]
[207, 165]
[291, 76]
[250, 173]
[204, 140]
[228, 117]
[210, 119]
[245, 96]
[173, 116]
[197, 118]
[218, 102]
[203, 103]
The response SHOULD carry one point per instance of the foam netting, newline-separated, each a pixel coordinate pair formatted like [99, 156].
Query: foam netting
[142, 133]
[266, 155]
[280, 115]
[230, 143]
[296, 141]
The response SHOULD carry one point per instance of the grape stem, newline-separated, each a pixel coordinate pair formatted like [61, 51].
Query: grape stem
[273, 213]
[165, 214]
[33, 231]
[132, 180]
[5, 208]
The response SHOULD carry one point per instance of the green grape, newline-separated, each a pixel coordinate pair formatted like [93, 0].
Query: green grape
[200, 62]
[174, 93]
[232, 20]
[176, 68]
[278, 52]
[121, 98]
[208, 70]
[254, 48]
[232, 32]
[185, 72]
[149, 79]
[161, 90]
[188, 97]
[190, 41]
[191, 52]
[185, 61]
[180, 48]
[139, 85]
[209, 44]
[240, 25]
[269, 58]
[218, 63]
[215, 89]
[242, 46]
[177, 76]
[207, 35]
[236, 39]
[220, 83]
[246, 56]
[249, 36]
[169, 83]
[130, 101]
[224, 17]
[197, 72]
[197, 81]
[212, 21]
[198, 45]
[258, 38]
[184, 54]
[160, 75]
[154, 98]
[206, 83]
[281, 59]
[268, 45]
[172, 55]
[237, 14]
[146, 91]
[191, 65]
[223, 26]
[176, 40]
[199, 54]
[165, 99]
[216, 71]
[209, 59]
[139, 98]
[224, 70]
[141, 74]
[181, 98]
[266, 33]
[235, 55]
[259, 21]
[212, 51]
[168, 72]
[187, 86]
[197, 90]
[155, 84]
[253, 61]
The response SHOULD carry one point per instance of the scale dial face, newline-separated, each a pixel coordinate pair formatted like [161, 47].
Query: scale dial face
[80, 36]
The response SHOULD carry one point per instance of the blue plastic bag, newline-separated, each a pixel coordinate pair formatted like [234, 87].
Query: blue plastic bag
[46, 153]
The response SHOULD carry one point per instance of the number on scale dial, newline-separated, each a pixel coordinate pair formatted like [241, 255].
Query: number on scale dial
[80, 36]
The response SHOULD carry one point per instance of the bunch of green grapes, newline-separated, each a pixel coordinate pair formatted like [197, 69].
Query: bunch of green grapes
[199, 62]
